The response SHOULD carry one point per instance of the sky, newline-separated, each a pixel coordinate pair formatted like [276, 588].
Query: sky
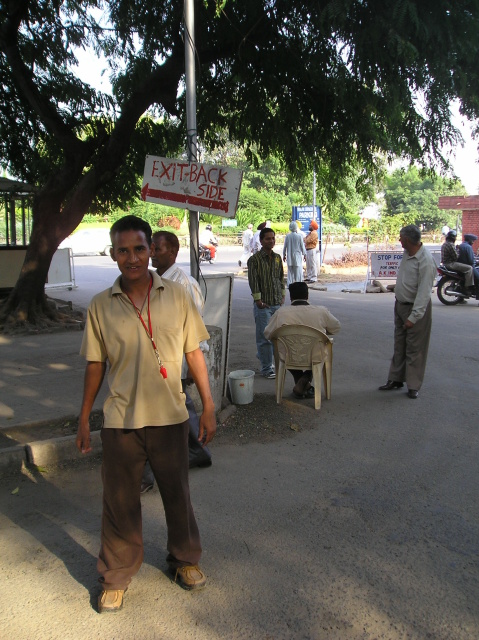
[466, 159]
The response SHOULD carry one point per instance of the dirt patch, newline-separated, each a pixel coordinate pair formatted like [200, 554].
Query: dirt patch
[346, 275]
[61, 316]
[265, 421]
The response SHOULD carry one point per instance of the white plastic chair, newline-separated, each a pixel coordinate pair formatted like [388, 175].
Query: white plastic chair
[303, 348]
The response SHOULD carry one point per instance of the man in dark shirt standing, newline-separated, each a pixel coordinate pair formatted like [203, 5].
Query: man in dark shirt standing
[266, 281]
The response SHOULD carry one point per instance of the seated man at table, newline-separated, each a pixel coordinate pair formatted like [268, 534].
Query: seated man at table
[302, 313]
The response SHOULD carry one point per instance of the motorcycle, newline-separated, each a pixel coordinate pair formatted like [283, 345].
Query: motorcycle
[204, 253]
[451, 289]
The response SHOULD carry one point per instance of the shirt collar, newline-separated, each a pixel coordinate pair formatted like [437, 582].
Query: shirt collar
[265, 255]
[169, 272]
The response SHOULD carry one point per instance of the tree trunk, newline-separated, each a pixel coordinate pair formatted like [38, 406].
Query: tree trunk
[27, 306]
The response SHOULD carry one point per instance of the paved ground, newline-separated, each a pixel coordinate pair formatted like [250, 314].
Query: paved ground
[360, 521]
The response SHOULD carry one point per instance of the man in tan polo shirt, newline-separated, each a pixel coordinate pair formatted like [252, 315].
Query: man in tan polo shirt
[142, 326]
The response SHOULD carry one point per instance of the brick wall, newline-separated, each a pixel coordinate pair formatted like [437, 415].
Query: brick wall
[470, 224]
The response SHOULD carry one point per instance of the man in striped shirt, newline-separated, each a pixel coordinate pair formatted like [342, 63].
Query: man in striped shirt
[266, 281]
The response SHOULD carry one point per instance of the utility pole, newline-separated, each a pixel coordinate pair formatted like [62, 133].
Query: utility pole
[191, 133]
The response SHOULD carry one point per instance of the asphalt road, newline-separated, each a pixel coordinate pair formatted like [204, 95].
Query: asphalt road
[359, 523]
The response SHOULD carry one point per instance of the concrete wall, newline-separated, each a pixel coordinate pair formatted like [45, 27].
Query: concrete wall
[470, 224]
[215, 371]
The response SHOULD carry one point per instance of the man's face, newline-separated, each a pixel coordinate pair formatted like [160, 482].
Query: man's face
[405, 242]
[163, 255]
[268, 241]
[131, 252]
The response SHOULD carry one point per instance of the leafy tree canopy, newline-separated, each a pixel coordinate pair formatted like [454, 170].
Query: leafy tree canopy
[331, 81]
[416, 194]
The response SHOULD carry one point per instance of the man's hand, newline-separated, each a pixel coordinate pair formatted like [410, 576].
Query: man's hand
[207, 427]
[94, 374]
[408, 324]
[83, 437]
[261, 305]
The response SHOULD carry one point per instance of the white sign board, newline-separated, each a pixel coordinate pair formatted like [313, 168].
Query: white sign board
[190, 185]
[384, 264]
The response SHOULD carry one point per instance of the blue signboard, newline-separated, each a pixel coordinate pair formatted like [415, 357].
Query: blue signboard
[305, 215]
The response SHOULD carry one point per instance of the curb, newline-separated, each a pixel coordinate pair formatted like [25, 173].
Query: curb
[53, 451]
[42, 453]
[11, 460]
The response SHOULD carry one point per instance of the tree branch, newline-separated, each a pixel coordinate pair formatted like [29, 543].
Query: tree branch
[25, 84]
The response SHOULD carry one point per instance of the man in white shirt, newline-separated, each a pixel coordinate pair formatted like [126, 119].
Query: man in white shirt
[209, 240]
[163, 259]
[412, 314]
[255, 243]
[247, 238]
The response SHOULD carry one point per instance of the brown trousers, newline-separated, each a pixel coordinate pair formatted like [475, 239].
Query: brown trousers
[125, 452]
[410, 346]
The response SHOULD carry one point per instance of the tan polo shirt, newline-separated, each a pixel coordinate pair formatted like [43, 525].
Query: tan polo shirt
[139, 395]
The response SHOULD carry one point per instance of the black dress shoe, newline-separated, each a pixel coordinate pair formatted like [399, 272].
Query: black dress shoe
[391, 384]
[412, 393]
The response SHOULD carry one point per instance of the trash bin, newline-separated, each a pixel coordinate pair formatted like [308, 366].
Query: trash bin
[241, 386]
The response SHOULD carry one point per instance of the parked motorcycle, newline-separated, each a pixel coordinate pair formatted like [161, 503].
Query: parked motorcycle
[451, 289]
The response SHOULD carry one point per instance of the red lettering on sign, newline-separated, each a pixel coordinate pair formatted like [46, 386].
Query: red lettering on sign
[154, 169]
[181, 167]
[201, 174]
[166, 171]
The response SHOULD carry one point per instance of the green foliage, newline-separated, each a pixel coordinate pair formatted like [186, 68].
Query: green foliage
[414, 194]
[387, 228]
[333, 229]
[332, 86]
[280, 228]
[330, 83]
[150, 212]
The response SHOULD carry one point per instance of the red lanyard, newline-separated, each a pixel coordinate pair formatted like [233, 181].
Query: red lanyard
[148, 329]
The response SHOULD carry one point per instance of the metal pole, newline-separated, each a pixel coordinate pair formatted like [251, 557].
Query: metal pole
[190, 77]
[318, 267]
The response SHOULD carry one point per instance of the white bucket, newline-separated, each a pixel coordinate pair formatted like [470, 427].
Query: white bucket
[241, 386]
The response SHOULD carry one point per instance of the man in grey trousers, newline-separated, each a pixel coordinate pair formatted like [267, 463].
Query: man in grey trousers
[412, 314]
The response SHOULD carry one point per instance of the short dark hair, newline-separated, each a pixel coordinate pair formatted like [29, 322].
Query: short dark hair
[264, 231]
[298, 291]
[170, 238]
[411, 232]
[131, 223]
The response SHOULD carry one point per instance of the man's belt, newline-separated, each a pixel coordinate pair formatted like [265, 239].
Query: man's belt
[399, 302]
